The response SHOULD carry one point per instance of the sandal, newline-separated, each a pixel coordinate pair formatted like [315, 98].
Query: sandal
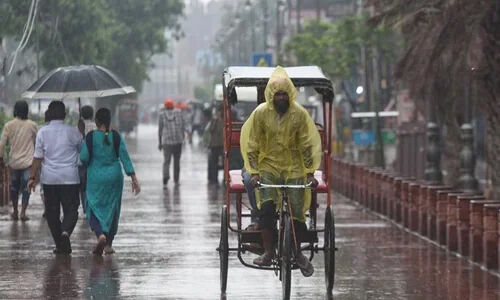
[254, 248]
[101, 243]
[264, 260]
[14, 216]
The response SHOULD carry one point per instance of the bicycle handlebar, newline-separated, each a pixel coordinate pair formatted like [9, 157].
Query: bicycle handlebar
[284, 186]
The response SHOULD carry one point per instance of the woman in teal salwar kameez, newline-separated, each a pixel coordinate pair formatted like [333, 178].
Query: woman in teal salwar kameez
[105, 180]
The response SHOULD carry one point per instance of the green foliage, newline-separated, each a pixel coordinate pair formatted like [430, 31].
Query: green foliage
[75, 32]
[203, 93]
[11, 20]
[122, 35]
[4, 118]
[336, 47]
[140, 33]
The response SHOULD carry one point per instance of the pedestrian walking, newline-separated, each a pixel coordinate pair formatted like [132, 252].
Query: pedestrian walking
[197, 121]
[56, 155]
[214, 132]
[87, 113]
[88, 118]
[102, 153]
[20, 135]
[171, 129]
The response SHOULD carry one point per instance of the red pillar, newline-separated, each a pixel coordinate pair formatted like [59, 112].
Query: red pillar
[463, 222]
[490, 235]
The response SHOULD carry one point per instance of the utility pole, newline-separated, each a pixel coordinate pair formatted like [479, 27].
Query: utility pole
[297, 12]
[252, 24]
[318, 10]
[37, 49]
[468, 182]
[279, 6]
[379, 143]
[266, 17]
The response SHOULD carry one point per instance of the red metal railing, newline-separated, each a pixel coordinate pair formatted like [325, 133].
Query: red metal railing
[467, 224]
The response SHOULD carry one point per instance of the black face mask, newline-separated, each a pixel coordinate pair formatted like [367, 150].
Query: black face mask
[281, 106]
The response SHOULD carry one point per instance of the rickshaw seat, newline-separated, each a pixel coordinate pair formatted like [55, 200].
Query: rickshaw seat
[235, 138]
[236, 182]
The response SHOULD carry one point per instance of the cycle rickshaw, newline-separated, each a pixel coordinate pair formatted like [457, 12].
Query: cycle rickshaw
[302, 77]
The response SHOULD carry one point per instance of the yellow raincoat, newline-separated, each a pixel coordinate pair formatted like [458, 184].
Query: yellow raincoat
[288, 147]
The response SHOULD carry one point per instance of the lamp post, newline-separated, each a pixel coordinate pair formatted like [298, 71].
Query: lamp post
[265, 27]
[237, 21]
[432, 173]
[298, 15]
[467, 180]
[279, 8]
[249, 8]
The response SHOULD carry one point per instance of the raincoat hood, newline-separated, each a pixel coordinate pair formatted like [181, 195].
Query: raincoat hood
[280, 81]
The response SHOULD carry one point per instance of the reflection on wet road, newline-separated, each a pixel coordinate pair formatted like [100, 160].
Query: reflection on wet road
[166, 249]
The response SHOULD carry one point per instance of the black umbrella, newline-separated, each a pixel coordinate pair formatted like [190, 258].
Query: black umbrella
[77, 81]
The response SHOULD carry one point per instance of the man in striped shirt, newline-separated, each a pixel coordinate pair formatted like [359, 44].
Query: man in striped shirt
[171, 130]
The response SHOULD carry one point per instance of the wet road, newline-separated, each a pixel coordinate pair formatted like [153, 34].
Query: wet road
[166, 249]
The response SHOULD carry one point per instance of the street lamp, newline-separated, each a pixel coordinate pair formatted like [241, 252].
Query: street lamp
[263, 4]
[280, 5]
[359, 90]
[248, 5]
[248, 8]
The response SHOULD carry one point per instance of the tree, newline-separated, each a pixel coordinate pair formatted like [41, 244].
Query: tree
[140, 32]
[203, 93]
[340, 49]
[122, 35]
[445, 40]
[337, 47]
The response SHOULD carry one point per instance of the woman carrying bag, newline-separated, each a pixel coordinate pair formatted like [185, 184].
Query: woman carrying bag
[104, 152]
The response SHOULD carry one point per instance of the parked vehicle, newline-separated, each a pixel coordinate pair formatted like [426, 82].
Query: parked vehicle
[128, 116]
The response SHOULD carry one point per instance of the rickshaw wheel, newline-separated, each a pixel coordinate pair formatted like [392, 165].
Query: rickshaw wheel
[223, 249]
[286, 259]
[329, 249]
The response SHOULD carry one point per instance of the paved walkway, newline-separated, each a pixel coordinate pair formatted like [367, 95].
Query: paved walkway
[166, 249]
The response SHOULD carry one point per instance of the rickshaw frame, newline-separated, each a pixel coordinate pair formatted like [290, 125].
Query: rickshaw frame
[307, 76]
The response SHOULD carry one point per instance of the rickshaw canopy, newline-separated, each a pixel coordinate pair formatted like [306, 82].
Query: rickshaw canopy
[311, 76]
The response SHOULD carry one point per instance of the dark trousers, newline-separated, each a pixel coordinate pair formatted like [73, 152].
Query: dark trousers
[213, 163]
[168, 152]
[67, 196]
[95, 225]
[198, 128]
[82, 171]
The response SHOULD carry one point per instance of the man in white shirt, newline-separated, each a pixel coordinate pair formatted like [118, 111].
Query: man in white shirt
[57, 152]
